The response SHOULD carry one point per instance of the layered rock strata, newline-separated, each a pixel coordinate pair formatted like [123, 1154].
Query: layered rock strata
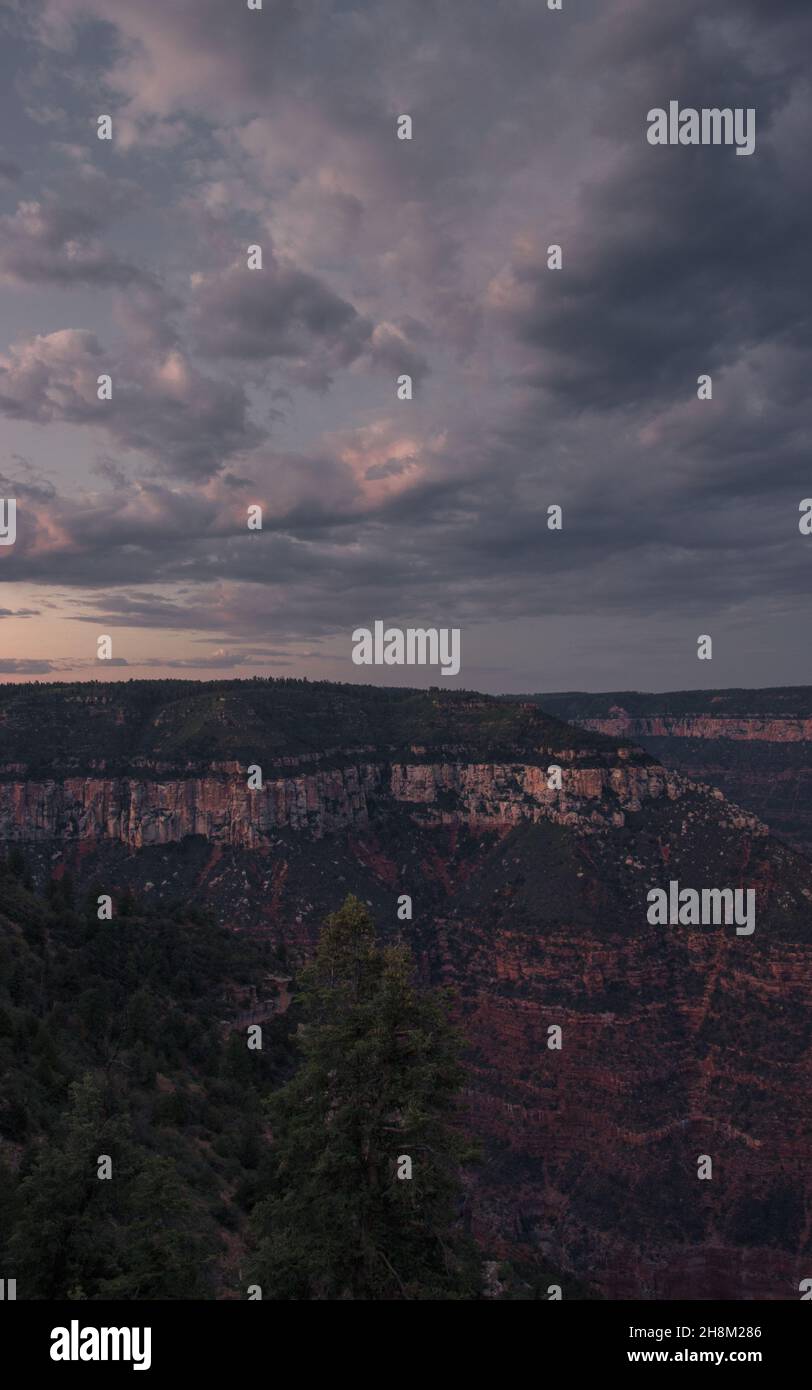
[221, 807]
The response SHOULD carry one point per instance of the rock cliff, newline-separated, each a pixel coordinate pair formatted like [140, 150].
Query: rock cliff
[755, 745]
[221, 807]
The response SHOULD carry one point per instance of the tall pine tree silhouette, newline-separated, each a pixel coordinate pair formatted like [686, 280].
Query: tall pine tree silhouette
[376, 1087]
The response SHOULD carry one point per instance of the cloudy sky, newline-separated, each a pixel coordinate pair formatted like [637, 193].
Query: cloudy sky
[234, 387]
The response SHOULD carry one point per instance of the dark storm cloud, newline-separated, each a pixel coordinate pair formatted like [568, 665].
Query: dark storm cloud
[282, 313]
[575, 388]
[477, 548]
[274, 312]
[683, 258]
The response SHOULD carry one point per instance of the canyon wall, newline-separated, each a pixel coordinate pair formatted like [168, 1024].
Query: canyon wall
[620, 724]
[223, 809]
[762, 761]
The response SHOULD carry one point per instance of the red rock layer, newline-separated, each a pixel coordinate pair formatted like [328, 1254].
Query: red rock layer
[619, 724]
[222, 808]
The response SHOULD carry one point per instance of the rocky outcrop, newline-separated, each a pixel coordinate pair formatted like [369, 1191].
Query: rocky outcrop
[759, 759]
[620, 724]
[223, 809]
[157, 812]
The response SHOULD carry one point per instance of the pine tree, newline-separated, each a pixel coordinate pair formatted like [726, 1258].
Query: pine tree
[376, 1086]
[169, 1249]
[66, 1231]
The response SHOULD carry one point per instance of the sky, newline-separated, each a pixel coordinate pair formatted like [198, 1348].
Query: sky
[532, 387]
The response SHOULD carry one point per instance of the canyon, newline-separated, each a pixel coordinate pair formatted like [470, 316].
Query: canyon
[528, 900]
[755, 745]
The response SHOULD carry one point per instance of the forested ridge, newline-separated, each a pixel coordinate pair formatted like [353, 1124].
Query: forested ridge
[112, 1043]
[121, 727]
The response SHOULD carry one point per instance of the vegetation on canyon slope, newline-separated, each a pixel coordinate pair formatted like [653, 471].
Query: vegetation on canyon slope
[64, 729]
[778, 702]
[112, 1043]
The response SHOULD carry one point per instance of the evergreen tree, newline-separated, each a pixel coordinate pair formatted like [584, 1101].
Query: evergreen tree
[168, 1249]
[376, 1087]
[111, 1043]
[66, 1232]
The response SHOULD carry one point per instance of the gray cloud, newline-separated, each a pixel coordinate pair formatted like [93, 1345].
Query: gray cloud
[278, 311]
[575, 387]
[161, 403]
[281, 312]
[23, 666]
[53, 243]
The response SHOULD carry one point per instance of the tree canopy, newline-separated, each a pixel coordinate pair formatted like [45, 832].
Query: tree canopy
[366, 1199]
